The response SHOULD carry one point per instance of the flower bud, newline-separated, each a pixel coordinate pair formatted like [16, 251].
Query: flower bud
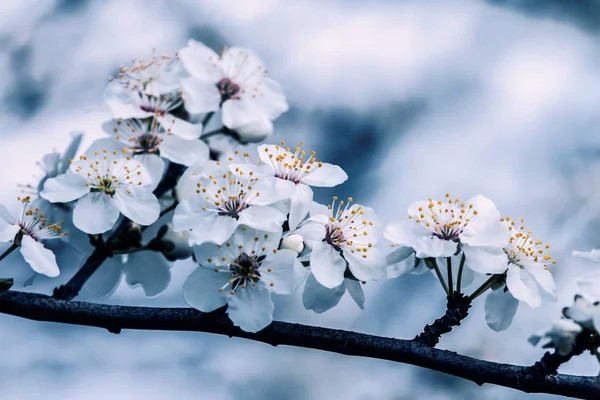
[293, 242]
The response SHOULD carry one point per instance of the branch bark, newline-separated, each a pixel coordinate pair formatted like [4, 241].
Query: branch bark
[114, 318]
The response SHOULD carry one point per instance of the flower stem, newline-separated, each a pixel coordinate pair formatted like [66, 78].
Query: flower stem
[213, 133]
[432, 263]
[450, 284]
[168, 209]
[207, 118]
[485, 286]
[460, 272]
[457, 309]
[12, 248]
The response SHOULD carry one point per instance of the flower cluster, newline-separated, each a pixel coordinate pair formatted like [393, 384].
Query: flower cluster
[155, 190]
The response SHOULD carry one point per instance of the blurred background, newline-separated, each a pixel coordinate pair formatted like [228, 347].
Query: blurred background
[412, 98]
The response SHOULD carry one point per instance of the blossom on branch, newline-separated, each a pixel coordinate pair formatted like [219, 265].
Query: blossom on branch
[562, 334]
[25, 229]
[225, 199]
[242, 273]
[105, 185]
[234, 81]
[151, 89]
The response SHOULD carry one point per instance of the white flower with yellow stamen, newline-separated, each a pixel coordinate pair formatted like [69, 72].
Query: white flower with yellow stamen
[441, 228]
[343, 236]
[224, 200]
[25, 229]
[105, 184]
[521, 258]
[151, 89]
[242, 273]
[236, 82]
[293, 175]
[562, 335]
[148, 141]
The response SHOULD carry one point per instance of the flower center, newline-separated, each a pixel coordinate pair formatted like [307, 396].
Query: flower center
[228, 89]
[33, 223]
[348, 229]
[147, 143]
[292, 166]
[521, 248]
[446, 220]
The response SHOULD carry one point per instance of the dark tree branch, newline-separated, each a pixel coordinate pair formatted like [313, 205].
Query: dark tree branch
[114, 318]
[71, 289]
[457, 309]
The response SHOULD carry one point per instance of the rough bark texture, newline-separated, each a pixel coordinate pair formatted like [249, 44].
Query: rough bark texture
[457, 309]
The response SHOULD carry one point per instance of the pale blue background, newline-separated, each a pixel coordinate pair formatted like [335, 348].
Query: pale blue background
[412, 98]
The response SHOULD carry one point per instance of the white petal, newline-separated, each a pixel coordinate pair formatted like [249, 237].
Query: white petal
[50, 163]
[139, 205]
[8, 233]
[201, 289]
[273, 102]
[200, 95]
[121, 103]
[181, 151]
[64, 188]
[282, 271]
[400, 233]
[106, 278]
[262, 218]
[213, 229]
[318, 209]
[243, 65]
[327, 265]
[148, 269]
[155, 167]
[301, 203]
[523, 286]
[251, 308]
[500, 308]
[199, 60]
[6, 215]
[256, 130]
[272, 190]
[371, 268]
[486, 259]
[590, 285]
[433, 247]
[186, 186]
[109, 144]
[39, 258]
[179, 127]
[312, 232]
[593, 255]
[356, 292]
[398, 255]
[293, 242]
[95, 213]
[318, 298]
[484, 229]
[543, 277]
[300, 273]
[246, 237]
[239, 112]
[327, 175]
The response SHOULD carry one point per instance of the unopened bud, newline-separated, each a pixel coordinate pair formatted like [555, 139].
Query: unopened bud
[293, 242]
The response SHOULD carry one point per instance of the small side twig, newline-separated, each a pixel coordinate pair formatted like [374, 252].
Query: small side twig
[457, 309]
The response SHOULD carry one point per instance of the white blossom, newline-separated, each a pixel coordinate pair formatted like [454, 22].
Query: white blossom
[293, 242]
[562, 334]
[521, 258]
[151, 89]
[242, 273]
[343, 237]
[500, 308]
[234, 81]
[293, 174]
[441, 228]
[149, 142]
[224, 200]
[26, 228]
[105, 185]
